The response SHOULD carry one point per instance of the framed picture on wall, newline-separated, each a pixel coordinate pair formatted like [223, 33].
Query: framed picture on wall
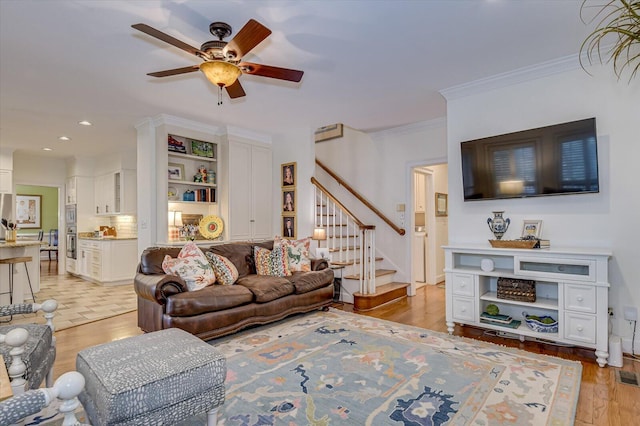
[289, 227]
[29, 211]
[288, 200]
[288, 174]
[442, 209]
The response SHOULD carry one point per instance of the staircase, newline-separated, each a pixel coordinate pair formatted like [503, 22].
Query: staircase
[352, 254]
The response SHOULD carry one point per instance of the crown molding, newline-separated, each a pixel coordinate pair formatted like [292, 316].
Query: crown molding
[165, 119]
[418, 127]
[248, 134]
[520, 75]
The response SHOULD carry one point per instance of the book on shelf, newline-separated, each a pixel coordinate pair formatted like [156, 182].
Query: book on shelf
[544, 243]
[512, 324]
[207, 195]
[501, 319]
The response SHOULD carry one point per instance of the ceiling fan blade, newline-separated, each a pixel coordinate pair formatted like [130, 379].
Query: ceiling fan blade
[168, 39]
[175, 71]
[247, 38]
[269, 71]
[235, 90]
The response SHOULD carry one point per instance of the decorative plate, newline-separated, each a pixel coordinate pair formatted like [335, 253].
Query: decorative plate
[211, 227]
[172, 193]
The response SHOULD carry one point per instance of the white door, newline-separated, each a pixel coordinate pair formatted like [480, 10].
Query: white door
[240, 192]
[262, 198]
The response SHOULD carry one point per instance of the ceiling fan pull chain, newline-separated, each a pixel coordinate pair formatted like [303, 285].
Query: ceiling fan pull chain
[219, 95]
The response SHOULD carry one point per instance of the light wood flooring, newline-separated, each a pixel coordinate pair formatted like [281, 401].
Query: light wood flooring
[603, 401]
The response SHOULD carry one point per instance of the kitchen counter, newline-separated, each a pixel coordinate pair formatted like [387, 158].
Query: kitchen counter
[107, 260]
[20, 283]
[23, 243]
[107, 238]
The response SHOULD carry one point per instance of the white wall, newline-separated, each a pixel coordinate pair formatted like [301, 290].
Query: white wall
[295, 145]
[605, 220]
[379, 167]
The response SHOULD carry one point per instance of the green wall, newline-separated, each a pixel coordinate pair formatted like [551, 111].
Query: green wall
[49, 206]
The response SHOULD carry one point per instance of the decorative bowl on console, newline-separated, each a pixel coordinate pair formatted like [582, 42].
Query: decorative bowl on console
[543, 324]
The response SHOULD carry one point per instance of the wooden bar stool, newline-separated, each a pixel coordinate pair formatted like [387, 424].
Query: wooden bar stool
[11, 261]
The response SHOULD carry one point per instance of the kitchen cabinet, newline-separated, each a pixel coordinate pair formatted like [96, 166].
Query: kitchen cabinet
[107, 261]
[250, 194]
[571, 286]
[71, 190]
[115, 193]
[6, 181]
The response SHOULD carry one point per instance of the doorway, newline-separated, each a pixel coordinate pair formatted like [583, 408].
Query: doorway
[49, 220]
[430, 225]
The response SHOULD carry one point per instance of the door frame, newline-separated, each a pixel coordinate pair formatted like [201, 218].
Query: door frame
[410, 184]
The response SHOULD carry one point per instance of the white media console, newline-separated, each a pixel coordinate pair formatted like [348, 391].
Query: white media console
[571, 286]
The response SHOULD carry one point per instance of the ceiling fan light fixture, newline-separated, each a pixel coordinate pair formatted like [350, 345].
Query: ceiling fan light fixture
[220, 73]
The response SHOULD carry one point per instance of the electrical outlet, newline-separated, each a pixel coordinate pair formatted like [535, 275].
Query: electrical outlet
[631, 313]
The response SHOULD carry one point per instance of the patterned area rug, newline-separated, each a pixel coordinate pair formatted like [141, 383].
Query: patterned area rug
[337, 368]
[341, 368]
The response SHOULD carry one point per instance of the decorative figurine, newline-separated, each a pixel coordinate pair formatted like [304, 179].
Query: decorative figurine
[498, 224]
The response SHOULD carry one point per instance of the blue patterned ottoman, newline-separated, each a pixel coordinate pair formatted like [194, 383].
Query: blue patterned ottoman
[157, 378]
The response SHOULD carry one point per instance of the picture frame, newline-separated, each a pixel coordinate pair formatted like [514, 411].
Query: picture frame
[289, 227]
[531, 229]
[325, 133]
[202, 148]
[442, 207]
[288, 200]
[288, 174]
[29, 211]
[175, 171]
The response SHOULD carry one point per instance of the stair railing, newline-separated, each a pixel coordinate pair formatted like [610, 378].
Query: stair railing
[345, 185]
[348, 239]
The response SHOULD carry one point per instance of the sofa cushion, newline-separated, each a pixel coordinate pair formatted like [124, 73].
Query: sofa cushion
[209, 299]
[266, 288]
[297, 253]
[192, 266]
[272, 262]
[225, 271]
[305, 282]
[237, 253]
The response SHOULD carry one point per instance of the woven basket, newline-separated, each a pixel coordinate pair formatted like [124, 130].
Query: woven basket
[518, 244]
[516, 289]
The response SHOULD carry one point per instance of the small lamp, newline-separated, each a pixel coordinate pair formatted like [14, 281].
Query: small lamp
[175, 222]
[319, 234]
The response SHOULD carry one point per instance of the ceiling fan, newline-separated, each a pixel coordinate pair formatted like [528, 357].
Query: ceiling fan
[223, 60]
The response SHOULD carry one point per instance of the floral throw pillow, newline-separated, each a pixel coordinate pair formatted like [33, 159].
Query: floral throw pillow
[271, 262]
[298, 253]
[192, 266]
[225, 271]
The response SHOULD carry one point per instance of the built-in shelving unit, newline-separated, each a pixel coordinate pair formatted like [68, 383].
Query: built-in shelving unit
[184, 167]
[571, 285]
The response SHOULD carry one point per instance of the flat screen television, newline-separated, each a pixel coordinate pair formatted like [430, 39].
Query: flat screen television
[551, 160]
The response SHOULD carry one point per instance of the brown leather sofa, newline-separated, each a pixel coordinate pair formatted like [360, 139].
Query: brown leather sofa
[217, 310]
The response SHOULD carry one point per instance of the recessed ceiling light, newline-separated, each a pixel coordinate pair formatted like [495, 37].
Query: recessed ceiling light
[47, 149]
[84, 123]
[64, 138]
